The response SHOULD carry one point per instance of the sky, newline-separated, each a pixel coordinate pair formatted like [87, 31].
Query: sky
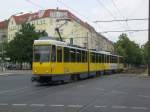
[91, 11]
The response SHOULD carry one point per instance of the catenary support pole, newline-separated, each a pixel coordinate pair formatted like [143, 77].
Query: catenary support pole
[149, 39]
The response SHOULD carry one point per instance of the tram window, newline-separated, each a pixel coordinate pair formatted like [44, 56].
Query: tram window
[73, 55]
[53, 54]
[66, 54]
[86, 56]
[83, 56]
[105, 58]
[102, 58]
[59, 54]
[91, 57]
[42, 53]
[96, 57]
[78, 55]
[116, 59]
[108, 59]
[99, 58]
[112, 59]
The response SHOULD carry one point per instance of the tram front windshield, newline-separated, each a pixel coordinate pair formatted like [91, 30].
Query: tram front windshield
[41, 53]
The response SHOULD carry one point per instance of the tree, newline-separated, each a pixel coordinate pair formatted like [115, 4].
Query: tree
[131, 51]
[145, 52]
[20, 48]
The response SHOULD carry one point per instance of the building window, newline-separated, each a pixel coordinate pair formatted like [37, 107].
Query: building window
[44, 21]
[37, 22]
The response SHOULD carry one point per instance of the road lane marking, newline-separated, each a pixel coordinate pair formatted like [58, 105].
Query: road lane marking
[56, 105]
[38, 105]
[14, 90]
[3, 104]
[19, 104]
[143, 96]
[80, 86]
[119, 107]
[5, 74]
[139, 108]
[100, 106]
[119, 92]
[101, 89]
[75, 106]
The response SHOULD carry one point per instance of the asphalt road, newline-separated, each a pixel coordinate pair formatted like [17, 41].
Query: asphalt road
[114, 93]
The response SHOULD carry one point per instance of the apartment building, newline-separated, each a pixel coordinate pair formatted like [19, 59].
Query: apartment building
[3, 30]
[72, 28]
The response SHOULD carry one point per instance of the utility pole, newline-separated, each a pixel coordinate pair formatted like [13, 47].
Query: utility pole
[88, 54]
[149, 39]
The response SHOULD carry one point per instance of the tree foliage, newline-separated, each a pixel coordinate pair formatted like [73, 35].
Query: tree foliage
[20, 48]
[131, 51]
[145, 52]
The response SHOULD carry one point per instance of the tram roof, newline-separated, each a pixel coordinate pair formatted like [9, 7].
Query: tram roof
[48, 41]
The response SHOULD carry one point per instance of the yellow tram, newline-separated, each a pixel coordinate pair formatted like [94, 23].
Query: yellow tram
[56, 61]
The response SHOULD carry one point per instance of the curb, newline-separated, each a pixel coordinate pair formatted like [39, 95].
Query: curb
[6, 73]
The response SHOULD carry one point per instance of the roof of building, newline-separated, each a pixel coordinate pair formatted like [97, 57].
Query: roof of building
[4, 24]
[21, 18]
[47, 13]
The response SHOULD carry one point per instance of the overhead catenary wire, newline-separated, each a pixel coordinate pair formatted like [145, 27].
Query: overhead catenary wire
[123, 20]
[35, 4]
[110, 13]
[64, 4]
[115, 5]
[139, 30]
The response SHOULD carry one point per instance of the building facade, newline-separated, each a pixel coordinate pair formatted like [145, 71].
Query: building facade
[72, 28]
[3, 30]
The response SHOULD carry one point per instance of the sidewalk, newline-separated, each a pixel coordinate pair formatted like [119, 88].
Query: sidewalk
[9, 72]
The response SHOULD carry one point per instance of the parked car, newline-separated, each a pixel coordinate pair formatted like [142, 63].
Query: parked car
[11, 67]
